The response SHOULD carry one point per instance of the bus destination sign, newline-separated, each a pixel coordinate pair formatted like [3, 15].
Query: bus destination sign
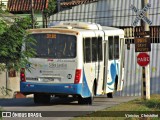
[142, 44]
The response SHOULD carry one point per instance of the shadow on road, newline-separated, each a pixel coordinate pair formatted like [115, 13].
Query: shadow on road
[30, 102]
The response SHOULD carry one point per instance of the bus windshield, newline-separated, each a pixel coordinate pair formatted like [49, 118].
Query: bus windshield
[57, 46]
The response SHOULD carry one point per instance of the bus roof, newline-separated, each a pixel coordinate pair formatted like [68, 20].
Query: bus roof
[76, 28]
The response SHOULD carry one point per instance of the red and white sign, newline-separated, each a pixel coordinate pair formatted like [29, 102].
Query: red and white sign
[143, 59]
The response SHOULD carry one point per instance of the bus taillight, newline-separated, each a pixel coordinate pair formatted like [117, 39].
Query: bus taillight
[77, 76]
[22, 75]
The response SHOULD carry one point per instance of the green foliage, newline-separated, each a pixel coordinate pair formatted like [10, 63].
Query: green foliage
[11, 42]
[153, 103]
[3, 26]
[51, 8]
[1, 5]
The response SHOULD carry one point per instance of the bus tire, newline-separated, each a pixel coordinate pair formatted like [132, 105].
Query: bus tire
[41, 98]
[84, 101]
[116, 84]
[61, 96]
[88, 100]
[110, 95]
[80, 100]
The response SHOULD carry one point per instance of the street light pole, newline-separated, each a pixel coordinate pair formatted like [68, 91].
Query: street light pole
[145, 70]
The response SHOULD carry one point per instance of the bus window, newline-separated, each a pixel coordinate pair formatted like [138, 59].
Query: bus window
[116, 47]
[94, 49]
[54, 45]
[113, 47]
[87, 51]
[99, 48]
[110, 47]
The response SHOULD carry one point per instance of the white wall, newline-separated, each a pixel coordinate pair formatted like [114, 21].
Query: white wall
[13, 83]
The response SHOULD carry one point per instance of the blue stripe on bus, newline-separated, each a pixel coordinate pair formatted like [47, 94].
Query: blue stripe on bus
[114, 70]
[31, 87]
[113, 73]
[110, 88]
[85, 90]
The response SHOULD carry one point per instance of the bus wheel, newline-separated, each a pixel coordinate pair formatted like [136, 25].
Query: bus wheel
[41, 98]
[61, 96]
[88, 100]
[116, 84]
[110, 95]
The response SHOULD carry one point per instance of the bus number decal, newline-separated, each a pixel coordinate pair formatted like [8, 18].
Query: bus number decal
[58, 66]
[51, 35]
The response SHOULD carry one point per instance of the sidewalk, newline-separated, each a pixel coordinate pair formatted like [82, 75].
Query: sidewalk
[18, 95]
[5, 96]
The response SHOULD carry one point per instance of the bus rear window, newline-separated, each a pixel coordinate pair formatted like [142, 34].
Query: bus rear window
[51, 45]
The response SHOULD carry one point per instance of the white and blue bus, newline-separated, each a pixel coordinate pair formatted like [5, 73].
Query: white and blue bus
[78, 59]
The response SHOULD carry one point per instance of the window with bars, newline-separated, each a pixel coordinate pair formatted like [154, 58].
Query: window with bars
[92, 49]
[113, 46]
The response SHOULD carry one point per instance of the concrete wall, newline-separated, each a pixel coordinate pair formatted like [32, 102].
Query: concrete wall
[13, 83]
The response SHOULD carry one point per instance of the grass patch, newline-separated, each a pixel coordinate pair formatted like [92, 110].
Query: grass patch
[132, 110]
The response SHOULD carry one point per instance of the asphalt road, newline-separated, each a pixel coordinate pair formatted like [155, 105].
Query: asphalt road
[61, 109]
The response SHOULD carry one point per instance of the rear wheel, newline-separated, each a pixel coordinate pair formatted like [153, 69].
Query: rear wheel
[42, 98]
[61, 96]
[88, 100]
[110, 95]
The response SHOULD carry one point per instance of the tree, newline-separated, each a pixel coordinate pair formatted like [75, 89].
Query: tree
[11, 42]
[3, 26]
[49, 11]
[51, 8]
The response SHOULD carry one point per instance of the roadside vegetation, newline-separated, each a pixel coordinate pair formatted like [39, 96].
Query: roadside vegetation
[124, 111]
[11, 41]
[12, 38]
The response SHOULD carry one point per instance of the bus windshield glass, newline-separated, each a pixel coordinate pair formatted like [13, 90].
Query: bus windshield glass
[57, 46]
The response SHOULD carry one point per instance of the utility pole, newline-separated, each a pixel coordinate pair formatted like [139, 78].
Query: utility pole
[59, 6]
[145, 70]
[32, 12]
[43, 23]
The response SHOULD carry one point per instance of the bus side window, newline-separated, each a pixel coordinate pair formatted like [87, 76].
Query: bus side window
[87, 50]
[116, 47]
[94, 49]
[110, 46]
[100, 48]
[113, 47]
